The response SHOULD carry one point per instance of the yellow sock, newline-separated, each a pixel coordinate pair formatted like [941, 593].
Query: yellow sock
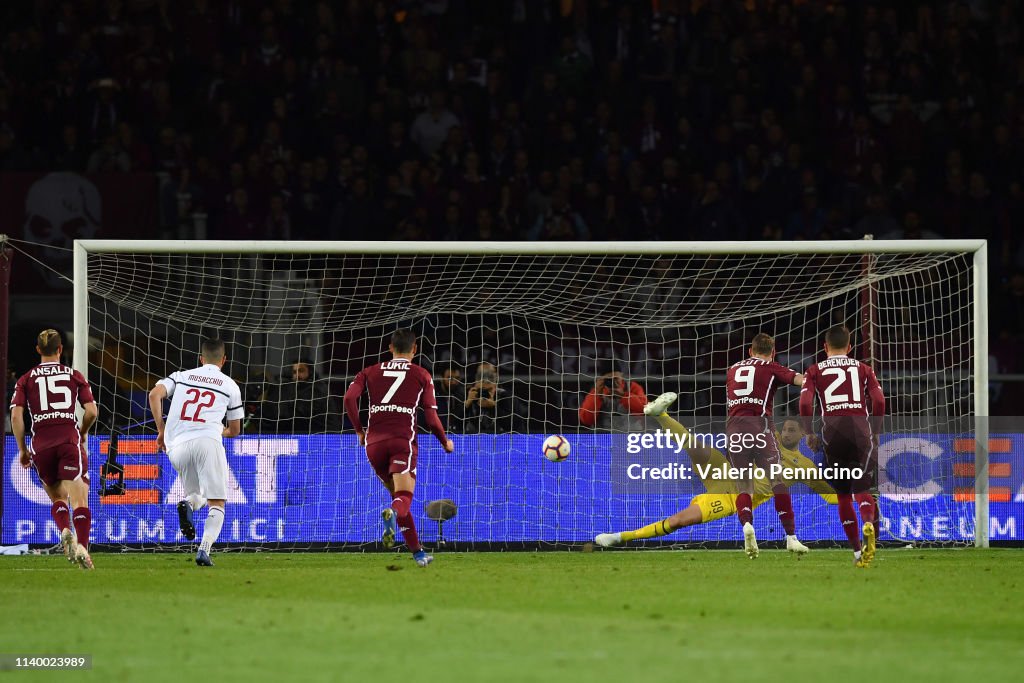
[701, 455]
[670, 424]
[650, 531]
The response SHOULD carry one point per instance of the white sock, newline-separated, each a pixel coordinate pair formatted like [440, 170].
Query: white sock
[791, 537]
[195, 501]
[856, 554]
[211, 529]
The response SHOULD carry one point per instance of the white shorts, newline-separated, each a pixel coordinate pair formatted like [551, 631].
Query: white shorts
[203, 467]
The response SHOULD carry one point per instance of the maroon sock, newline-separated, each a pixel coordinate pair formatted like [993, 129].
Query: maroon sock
[784, 508]
[745, 508]
[401, 503]
[877, 521]
[408, 527]
[866, 505]
[61, 515]
[83, 523]
[848, 516]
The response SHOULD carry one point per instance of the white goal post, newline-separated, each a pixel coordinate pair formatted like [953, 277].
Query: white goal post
[884, 261]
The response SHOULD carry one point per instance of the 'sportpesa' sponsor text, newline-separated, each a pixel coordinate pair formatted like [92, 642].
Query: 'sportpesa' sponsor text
[391, 408]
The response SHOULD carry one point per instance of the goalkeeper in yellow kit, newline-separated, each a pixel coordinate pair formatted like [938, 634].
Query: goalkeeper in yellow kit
[720, 500]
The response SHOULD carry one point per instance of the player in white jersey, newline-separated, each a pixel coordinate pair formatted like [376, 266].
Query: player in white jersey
[200, 401]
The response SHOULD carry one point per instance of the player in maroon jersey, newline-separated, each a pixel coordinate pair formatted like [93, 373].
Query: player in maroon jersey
[750, 392]
[396, 388]
[852, 406]
[49, 392]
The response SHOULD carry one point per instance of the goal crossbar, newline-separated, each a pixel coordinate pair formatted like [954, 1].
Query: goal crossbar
[534, 248]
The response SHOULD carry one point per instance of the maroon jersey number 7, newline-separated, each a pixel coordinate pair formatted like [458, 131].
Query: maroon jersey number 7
[396, 388]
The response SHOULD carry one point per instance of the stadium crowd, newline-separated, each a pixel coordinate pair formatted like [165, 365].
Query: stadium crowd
[540, 119]
[455, 120]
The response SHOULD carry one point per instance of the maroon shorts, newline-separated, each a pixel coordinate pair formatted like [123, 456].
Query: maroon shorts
[751, 442]
[393, 456]
[65, 462]
[847, 443]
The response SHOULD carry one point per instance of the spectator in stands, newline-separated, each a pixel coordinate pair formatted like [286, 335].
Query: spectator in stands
[877, 221]
[109, 157]
[451, 395]
[279, 223]
[240, 221]
[430, 129]
[69, 154]
[809, 222]
[302, 405]
[490, 408]
[623, 120]
[559, 222]
[615, 404]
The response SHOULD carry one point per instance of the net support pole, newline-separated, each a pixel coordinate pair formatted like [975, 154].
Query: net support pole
[80, 299]
[6, 253]
[981, 409]
[868, 307]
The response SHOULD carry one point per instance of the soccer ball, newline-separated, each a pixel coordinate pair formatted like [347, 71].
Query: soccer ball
[556, 448]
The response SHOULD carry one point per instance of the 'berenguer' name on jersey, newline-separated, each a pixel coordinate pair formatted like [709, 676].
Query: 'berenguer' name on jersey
[839, 362]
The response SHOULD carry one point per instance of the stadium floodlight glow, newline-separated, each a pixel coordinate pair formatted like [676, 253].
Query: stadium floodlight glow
[550, 317]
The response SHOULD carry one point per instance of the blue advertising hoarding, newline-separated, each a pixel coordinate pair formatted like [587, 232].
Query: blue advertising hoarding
[320, 489]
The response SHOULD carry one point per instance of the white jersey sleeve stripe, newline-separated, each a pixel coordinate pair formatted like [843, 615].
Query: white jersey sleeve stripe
[169, 383]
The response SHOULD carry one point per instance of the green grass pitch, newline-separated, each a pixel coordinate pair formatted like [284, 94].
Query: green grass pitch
[916, 615]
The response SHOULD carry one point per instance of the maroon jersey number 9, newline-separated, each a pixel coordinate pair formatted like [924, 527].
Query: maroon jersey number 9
[744, 376]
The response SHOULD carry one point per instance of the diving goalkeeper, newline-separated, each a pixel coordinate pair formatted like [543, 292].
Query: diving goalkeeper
[720, 501]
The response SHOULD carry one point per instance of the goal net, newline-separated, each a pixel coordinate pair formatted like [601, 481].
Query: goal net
[516, 337]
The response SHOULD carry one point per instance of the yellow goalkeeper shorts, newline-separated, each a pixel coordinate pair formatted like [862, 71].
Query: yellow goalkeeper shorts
[721, 505]
[715, 506]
